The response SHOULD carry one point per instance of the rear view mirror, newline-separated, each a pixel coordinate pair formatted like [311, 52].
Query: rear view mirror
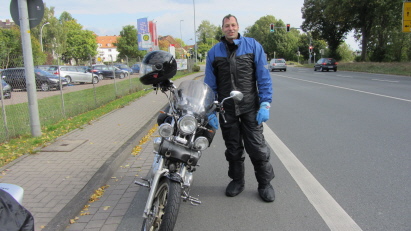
[236, 95]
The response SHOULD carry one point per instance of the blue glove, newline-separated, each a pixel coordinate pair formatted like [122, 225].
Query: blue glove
[264, 112]
[213, 121]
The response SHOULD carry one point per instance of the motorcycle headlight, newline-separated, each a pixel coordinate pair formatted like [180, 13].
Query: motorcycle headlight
[201, 143]
[165, 130]
[187, 124]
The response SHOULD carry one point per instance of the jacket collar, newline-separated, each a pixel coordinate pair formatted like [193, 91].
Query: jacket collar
[236, 41]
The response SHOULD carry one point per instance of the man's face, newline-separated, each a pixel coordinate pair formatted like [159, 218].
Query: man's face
[230, 29]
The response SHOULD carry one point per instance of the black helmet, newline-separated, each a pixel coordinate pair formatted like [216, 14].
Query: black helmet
[157, 66]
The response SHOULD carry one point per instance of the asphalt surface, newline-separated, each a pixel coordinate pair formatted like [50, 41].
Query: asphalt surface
[344, 146]
[61, 178]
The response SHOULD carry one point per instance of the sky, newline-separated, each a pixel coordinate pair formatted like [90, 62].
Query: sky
[178, 18]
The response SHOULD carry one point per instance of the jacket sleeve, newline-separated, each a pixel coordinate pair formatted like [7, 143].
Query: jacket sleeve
[264, 84]
[210, 78]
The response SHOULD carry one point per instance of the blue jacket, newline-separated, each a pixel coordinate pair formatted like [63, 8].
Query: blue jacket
[244, 69]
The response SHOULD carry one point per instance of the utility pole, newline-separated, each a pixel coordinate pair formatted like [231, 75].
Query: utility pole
[29, 69]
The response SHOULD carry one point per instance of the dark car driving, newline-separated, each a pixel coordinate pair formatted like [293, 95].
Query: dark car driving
[326, 64]
[44, 80]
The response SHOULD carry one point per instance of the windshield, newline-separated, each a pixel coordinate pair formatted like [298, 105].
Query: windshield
[44, 73]
[194, 96]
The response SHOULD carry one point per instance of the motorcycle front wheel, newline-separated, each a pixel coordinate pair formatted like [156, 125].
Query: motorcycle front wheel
[164, 211]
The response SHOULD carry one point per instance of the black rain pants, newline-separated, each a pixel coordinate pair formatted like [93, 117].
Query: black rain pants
[243, 132]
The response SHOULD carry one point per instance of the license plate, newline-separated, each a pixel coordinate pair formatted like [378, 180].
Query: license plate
[330, 67]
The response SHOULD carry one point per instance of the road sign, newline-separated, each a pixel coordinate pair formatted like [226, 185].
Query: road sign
[35, 9]
[406, 17]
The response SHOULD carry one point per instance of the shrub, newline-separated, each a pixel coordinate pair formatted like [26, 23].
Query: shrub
[196, 68]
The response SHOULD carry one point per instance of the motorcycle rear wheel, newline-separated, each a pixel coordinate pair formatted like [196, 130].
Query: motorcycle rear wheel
[163, 213]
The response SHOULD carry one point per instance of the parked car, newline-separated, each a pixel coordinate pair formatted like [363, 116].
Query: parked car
[278, 64]
[44, 80]
[326, 64]
[136, 68]
[43, 67]
[102, 71]
[124, 67]
[74, 74]
[6, 88]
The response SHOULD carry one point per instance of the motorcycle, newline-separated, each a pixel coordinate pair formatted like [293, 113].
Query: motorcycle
[184, 133]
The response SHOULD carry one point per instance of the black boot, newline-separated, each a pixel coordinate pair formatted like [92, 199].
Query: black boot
[235, 172]
[266, 192]
[234, 188]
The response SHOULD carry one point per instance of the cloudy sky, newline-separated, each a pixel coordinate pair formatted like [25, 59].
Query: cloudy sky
[173, 17]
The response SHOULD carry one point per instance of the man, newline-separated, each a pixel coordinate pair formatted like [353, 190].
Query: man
[239, 63]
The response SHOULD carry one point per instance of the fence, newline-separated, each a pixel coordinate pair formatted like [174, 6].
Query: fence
[56, 102]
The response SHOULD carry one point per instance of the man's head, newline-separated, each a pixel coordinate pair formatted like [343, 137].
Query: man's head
[230, 27]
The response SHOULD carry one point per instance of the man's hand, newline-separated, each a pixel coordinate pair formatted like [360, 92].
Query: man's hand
[264, 112]
[213, 121]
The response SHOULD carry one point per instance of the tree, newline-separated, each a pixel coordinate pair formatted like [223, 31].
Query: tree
[327, 22]
[81, 44]
[279, 43]
[127, 43]
[206, 31]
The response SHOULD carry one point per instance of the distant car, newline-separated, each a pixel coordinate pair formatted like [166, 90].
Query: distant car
[326, 64]
[74, 74]
[6, 90]
[124, 67]
[44, 80]
[136, 68]
[102, 71]
[278, 64]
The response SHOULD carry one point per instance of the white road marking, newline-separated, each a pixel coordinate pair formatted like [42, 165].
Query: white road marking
[384, 80]
[345, 88]
[332, 213]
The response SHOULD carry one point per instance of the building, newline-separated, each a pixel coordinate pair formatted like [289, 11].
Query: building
[106, 49]
[167, 41]
[6, 24]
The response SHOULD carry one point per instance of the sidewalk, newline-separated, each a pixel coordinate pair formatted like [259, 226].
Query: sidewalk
[59, 180]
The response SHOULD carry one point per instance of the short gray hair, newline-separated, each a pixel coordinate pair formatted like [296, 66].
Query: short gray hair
[228, 16]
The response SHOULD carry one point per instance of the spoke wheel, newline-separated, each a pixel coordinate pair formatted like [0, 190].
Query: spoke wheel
[164, 211]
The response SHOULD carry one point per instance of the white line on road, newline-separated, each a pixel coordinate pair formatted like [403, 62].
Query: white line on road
[345, 88]
[332, 213]
[383, 80]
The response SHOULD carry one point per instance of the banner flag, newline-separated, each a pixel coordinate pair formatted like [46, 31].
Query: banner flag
[143, 34]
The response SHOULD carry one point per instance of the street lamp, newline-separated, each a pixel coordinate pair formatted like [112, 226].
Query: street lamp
[195, 37]
[41, 35]
[181, 35]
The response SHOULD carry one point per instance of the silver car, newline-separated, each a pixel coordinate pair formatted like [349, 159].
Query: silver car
[74, 74]
[278, 64]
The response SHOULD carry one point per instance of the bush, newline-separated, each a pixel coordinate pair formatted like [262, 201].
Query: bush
[196, 68]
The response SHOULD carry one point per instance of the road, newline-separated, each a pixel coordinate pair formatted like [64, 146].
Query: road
[340, 151]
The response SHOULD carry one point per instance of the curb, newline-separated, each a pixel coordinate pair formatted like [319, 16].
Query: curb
[73, 208]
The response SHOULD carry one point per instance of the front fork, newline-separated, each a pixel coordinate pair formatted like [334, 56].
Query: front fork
[153, 185]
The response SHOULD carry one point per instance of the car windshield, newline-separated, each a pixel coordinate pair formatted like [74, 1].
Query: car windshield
[280, 61]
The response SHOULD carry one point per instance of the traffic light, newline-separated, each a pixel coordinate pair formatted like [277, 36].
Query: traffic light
[310, 48]
[288, 27]
[272, 27]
